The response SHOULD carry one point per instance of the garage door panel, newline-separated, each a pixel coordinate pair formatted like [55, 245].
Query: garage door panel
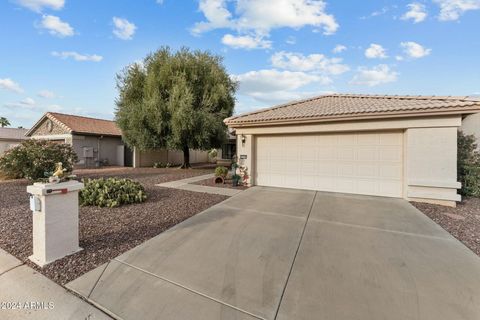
[362, 163]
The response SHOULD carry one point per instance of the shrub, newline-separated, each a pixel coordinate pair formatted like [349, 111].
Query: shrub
[111, 192]
[34, 158]
[468, 165]
[158, 165]
[221, 172]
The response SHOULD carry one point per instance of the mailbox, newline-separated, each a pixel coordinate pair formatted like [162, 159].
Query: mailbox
[55, 220]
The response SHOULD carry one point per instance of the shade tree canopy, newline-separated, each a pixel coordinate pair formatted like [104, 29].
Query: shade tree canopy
[175, 100]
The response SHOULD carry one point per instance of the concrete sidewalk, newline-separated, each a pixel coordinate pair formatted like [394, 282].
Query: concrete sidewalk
[186, 184]
[26, 294]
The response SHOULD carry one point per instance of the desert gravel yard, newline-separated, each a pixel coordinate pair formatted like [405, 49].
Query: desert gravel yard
[104, 233]
[463, 222]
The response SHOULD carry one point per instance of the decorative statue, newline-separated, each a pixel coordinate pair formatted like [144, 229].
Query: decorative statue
[60, 174]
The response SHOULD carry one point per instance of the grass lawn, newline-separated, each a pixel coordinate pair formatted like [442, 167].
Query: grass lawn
[104, 233]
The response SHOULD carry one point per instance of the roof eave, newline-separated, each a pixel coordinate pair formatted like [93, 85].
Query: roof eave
[352, 117]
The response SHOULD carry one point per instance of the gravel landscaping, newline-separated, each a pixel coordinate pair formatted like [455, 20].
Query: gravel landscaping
[463, 222]
[211, 183]
[104, 233]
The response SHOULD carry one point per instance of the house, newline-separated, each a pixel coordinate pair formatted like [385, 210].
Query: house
[392, 146]
[99, 142]
[96, 141]
[11, 137]
[471, 125]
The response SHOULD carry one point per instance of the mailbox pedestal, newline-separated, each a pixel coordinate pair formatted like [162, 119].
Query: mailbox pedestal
[55, 220]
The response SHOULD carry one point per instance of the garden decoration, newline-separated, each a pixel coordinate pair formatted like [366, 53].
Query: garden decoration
[235, 177]
[59, 175]
[243, 173]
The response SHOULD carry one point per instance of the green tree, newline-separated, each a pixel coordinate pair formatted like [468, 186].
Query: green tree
[175, 100]
[4, 122]
[468, 165]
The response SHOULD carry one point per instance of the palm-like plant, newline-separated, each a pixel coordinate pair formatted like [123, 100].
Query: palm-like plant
[4, 122]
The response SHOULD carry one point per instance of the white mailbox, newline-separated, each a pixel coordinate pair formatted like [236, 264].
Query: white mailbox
[55, 220]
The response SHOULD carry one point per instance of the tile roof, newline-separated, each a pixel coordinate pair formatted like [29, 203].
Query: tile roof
[338, 106]
[83, 125]
[13, 134]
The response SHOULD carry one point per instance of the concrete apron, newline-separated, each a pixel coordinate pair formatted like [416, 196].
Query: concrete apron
[271, 253]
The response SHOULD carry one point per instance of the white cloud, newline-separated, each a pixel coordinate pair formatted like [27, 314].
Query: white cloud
[314, 62]
[415, 50]
[124, 29]
[160, 1]
[54, 108]
[10, 85]
[28, 102]
[261, 16]
[246, 42]
[399, 58]
[416, 12]
[375, 76]
[375, 51]
[56, 26]
[291, 40]
[339, 48]
[46, 94]
[39, 5]
[271, 85]
[452, 9]
[77, 56]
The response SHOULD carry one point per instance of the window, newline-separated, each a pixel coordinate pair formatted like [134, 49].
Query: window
[228, 150]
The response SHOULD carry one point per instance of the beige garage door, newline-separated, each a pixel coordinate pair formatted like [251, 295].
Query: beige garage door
[361, 163]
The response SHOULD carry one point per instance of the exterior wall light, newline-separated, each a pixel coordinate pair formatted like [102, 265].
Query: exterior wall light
[243, 138]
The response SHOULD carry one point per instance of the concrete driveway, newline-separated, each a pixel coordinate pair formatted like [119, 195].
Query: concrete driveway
[272, 253]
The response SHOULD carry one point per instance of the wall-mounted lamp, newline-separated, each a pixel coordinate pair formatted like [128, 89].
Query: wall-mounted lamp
[243, 139]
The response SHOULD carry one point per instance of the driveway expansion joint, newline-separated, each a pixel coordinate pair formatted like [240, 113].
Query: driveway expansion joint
[189, 289]
[295, 256]
[343, 224]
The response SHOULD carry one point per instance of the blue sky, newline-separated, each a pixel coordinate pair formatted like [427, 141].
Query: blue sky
[62, 55]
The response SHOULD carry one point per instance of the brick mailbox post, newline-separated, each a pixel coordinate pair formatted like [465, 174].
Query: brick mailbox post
[55, 220]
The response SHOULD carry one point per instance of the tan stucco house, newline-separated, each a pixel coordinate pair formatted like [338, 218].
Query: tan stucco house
[392, 146]
[11, 137]
[96, 141]
[99, 142]
[471, 125]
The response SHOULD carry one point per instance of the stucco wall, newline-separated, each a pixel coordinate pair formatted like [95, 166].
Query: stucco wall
[7, 144]
[471, 125]
[105, 148]
[148, 158]
[431, 164]
[430, 151]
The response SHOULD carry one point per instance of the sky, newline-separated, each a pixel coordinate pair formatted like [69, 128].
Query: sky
[63, 55]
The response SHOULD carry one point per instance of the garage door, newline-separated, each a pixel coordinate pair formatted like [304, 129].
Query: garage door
[360, 163]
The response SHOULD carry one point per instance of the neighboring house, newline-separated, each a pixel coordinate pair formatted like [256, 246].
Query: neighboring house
[11, 137]
[471, 125]
[99, 142]
[96, 141]
[393, 146]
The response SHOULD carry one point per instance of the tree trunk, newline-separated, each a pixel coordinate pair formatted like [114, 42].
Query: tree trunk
[186, 158]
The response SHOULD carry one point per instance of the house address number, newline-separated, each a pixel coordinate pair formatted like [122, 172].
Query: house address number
[243, 156]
